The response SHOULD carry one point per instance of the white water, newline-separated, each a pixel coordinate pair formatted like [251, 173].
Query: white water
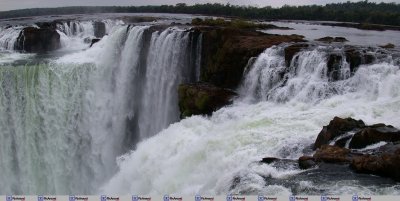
[205, 155]
[64, 122]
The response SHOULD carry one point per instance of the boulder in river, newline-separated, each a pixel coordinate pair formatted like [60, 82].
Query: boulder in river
[337, 127]
[374, 134]
[329, 39]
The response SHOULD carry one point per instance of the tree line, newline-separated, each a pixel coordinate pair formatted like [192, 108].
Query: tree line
[360, 12]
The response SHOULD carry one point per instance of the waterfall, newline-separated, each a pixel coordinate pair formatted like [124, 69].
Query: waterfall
[8, 37]
[64, 121]
[279, 114]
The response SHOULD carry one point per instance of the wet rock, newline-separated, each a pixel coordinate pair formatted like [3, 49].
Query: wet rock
[99, 29]
[374, 134]
[387, 46]
[386, 163]
[353, 57]
[269, 160]
[343, 141]
[35, 40]
[94, 40]
[333, 154]
[334, 64]
[329, 39]
[337, 127]
[307, 162]
[201, 98]
[290, 51]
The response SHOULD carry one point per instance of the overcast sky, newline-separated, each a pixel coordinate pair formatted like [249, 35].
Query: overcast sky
[19, 4]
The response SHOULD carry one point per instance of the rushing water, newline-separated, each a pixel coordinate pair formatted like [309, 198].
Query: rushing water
[275, 117]
[105, 119]
[64, 120]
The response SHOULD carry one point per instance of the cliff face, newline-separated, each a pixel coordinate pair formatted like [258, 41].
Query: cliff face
[226, 52]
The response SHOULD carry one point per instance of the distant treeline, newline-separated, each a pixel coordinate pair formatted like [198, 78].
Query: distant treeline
[361, 12]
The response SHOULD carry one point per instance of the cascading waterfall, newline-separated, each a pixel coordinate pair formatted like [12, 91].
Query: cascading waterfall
[8, 37]
[64, 121]
[279, 114]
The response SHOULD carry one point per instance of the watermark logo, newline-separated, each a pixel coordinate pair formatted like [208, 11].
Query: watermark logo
[229, 198]
[103, 198]
[9, 198]
[135, 198]
[197, 198]
[166, 197]
[355, 198]
[71, 198]
[260, 198]
[40, 198]
[292, 198]
[324, 198]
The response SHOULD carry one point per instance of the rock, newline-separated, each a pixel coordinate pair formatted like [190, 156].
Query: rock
[387, 46]
[386, 164]
[35, 40]
[307, 162]
[94, 40]
[99, 29]
[201, 98]
[290, 51]
[329, 39]
[337, 127]
[269, 160]
[353, 57]
[333, 65]
[226, 51]
[343, 141]
[333, 154]
[374, 134]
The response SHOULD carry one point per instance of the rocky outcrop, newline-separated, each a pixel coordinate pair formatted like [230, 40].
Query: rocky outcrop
[35, 40]
[388, 46]
[201, 98]
[336, 128]
[374, 134]
[99, 29]
[291, 50]
[226, 51]
[384, 162]
[329, 39]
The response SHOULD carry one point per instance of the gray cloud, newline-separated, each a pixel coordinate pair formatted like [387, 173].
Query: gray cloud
[19, 4]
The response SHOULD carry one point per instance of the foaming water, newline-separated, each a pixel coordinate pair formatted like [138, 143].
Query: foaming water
[273, 118]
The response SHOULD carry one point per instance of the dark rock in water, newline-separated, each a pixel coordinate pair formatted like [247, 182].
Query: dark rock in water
[373, 135]
[226, 51]
[387, 46]
[334, 64]
[94, 40]
[99, 29]
[333, 154]
[290, 51]
[269, 160]
[343, 141]
[337, 127]
[386, 163]
[307, 162]
[35, 40]
[329, 39]
[201, 98]
[353, 57]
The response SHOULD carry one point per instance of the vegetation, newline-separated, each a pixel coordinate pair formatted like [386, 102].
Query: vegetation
[361, 12]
